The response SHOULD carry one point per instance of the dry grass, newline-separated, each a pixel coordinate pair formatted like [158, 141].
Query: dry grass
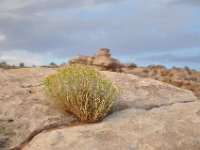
[81, 91]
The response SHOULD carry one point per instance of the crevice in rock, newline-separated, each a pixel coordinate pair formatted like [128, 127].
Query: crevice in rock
[148, 107]
[164, 105]
[8, 120]
[30, 86]
[47, 128]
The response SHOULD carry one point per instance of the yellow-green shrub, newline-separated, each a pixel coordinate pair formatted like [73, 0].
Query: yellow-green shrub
[81, 91]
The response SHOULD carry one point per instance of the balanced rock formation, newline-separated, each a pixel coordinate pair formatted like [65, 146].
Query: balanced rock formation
[101, 60]
[148, 115]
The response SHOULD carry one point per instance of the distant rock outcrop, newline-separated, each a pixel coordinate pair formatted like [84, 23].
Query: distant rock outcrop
[101, 60]
[181, 77]
[4, 65]
[148, 115]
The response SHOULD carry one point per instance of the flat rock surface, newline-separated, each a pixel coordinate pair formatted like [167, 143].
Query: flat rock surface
[166, 128]
[148, 114]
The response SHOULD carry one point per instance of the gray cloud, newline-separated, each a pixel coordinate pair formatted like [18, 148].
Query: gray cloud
[35, 6]
[166, 58]
[39, 27]
[170, 60]
[28, 27]
[190, 59]
[134, 34]
[187, 2]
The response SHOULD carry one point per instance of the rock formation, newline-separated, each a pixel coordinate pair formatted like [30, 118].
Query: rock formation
[101, 60]
[181, 77]
[4, 65]
[148, 115]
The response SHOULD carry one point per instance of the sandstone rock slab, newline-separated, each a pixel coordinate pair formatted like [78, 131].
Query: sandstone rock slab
[166, 128]
[25, 111]
[24, 108]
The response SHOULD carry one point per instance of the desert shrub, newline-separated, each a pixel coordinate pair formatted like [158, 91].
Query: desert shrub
[81, 91]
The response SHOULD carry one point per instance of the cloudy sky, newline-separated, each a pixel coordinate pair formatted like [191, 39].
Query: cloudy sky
[140, 31]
